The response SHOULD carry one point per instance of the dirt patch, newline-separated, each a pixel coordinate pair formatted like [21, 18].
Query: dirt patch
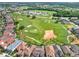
[49, 34]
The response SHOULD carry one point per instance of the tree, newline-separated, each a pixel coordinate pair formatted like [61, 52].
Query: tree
[28, 15]
[56, 21]
[24, 9]
[33, 17]
[1, 50]
[21, 27]
[16, 22]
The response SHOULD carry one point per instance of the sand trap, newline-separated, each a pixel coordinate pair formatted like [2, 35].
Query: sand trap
[33, 31]
[26, 30]
[49, 34]
[29, 26]
[20, 19]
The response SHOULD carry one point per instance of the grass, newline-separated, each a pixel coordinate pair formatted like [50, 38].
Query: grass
[37, 28]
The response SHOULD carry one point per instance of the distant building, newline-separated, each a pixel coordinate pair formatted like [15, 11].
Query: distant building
[35, 13]
[75, 30]
[65, 21]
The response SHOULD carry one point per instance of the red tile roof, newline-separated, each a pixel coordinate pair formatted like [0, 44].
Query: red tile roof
[2, 44]
[9, 40]
[1, 41]
[6, 33]
[21, 46]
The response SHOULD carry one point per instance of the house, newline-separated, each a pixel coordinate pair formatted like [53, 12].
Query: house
[13, 46]
[9, 26]
[6, 33]
[65, 21]
[76, 22]
[3, 12]
[75, 30]
[74, 18]
[58, 51]
[24, 50]
[21, 46]
[50, 51]
[38, 52]
[66, 50]
[9, 40]
[2, 44]
[6, 41]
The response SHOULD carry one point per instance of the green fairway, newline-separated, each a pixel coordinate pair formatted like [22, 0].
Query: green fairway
[35, 28]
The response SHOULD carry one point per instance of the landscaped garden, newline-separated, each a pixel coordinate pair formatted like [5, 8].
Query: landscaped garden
[1, 26]
[31, 29]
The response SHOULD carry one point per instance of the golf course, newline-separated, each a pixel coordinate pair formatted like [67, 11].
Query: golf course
[32, 30]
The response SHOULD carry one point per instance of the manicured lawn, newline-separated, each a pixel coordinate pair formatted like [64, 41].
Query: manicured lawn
[35, 28]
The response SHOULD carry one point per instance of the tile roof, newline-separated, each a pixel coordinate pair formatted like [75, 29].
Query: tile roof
[21, 46]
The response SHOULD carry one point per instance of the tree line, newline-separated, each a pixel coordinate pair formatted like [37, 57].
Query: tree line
[64, 13]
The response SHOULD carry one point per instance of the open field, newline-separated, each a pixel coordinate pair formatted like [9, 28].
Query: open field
[35, 28]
